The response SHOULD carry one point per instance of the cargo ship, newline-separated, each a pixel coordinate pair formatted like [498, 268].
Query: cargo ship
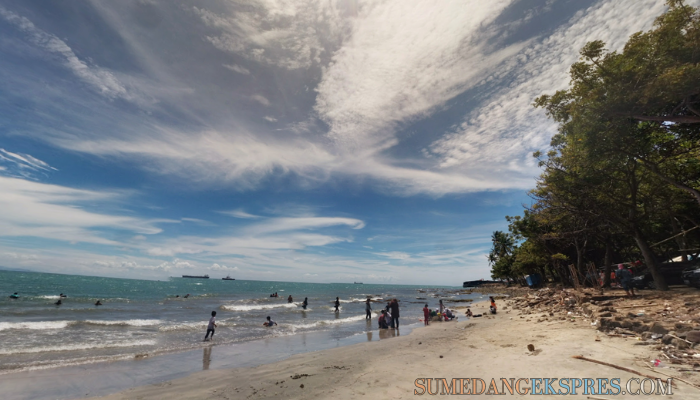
[196, 276]
[228, 278]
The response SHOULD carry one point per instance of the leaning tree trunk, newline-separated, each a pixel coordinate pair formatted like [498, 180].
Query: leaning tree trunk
[607, 261]
[650, 261]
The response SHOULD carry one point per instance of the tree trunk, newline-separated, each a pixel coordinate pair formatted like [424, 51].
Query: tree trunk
[650, 261]
[607, 262]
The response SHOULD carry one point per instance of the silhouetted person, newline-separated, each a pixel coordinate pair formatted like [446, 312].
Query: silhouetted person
[337, 304]
[305, 303]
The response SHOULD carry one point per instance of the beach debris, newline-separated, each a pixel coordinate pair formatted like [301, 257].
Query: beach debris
[301, 386]
[440, 356]
[140, 356]
[298, 376]
[531, 347]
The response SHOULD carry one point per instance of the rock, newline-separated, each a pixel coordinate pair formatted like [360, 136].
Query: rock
[626, 324]
[666, 339]
[680, 344]
[693, 336]
[530, 347]
[658, 328]
[681, 327]
[640, 328]
[605, 315]
[301, 386]
[440, 356]
[646, 335]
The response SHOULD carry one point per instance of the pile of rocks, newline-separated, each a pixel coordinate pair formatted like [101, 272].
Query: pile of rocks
[670, 322]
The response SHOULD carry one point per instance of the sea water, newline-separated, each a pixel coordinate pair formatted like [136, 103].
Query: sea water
[142, 317]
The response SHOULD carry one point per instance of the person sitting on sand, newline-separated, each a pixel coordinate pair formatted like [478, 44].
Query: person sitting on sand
[389, 320]
[211, 327]
[469, 313]
[305, 303]
[337, 304]
[269, 322]
[426, 315]
[98, 303]
[289, 299]
[382, 320]
[14, 296]
[448, 315]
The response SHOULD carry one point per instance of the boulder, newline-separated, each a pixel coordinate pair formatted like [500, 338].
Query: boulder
[667, 339]
[693, 336]
[681, 327]
[680, 344]
[658, 328]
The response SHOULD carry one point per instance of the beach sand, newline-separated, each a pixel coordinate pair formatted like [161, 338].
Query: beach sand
[486, 348]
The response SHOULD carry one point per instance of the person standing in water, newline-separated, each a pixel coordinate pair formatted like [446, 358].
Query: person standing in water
[289, 299]
[368, 309]
[426, 315]
[395, 313]
[305, 303]
[337, 304]
[211, 327]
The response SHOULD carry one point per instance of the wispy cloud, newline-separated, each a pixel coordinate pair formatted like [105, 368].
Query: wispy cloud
[237, 68]
[54, 212]
[240, 214]
[100, 79]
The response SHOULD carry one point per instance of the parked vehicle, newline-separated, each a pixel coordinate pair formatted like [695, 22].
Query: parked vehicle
[673, 273]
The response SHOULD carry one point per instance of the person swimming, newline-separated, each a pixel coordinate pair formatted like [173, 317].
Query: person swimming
[269, 322]
[62, 295]
[187, 295]
[305, 303]
[14, 296]
[58, 303]
[98, 303]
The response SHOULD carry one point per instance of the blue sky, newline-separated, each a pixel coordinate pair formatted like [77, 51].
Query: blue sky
[325, 141]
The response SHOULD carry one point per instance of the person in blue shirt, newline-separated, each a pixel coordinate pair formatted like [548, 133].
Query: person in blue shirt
[14, 296]
[625, 277]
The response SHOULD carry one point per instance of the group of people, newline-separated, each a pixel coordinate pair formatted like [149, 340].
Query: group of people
[389, 317]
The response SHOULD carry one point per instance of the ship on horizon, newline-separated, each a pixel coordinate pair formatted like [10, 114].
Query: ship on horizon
[196, 276]
[228, 278]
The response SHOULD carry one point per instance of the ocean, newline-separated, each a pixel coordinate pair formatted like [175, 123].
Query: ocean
[142, 317]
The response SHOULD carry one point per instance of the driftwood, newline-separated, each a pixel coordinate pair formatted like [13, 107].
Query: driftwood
[615, 366]
[676, 378]
[676, 337]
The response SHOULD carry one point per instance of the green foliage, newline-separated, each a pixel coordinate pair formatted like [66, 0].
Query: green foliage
[623, 172]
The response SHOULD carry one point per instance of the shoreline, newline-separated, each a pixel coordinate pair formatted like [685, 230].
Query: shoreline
[108, 377]
[488, 348]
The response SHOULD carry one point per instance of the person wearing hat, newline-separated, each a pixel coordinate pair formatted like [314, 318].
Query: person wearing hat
[625, 277]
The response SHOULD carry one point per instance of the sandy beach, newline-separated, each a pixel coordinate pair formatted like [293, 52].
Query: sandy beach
[486, 348]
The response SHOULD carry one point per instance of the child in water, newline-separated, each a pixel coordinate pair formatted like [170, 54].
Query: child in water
[211, 327]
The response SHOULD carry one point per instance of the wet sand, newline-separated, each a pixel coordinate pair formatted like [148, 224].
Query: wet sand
[483, 348]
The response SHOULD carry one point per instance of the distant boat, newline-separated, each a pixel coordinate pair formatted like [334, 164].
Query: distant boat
[359, 283]
[196, 276]
[228, 278]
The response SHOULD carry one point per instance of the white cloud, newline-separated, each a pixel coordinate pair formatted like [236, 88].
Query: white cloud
[290, 34]
[261, 99]
[50, 211]
[503, 132]
[240, 214]
[396, 255]
[102, 80]
[399, 63]
[237, 68]
[269, 118]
